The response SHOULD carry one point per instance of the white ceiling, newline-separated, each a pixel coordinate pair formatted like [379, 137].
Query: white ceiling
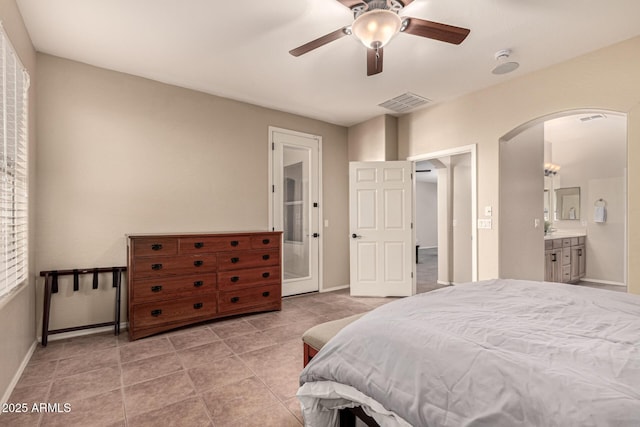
[239, 49]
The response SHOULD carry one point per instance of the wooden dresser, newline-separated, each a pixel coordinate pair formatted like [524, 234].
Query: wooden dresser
[179, 279]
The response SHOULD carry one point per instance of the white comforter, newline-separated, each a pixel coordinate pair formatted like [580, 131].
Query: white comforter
[493, 353]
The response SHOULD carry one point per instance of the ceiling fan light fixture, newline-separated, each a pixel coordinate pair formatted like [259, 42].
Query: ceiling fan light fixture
[376, 28]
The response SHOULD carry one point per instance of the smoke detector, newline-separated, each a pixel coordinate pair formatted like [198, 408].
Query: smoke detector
[504, 65]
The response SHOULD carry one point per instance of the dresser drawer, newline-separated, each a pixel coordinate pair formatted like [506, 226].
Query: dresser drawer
[181, 264]
[157, 313]
[261, 241]
[172, 287]
[195, 245]
[250, 277]
[249, 259]
[253, 297]
[150, 246]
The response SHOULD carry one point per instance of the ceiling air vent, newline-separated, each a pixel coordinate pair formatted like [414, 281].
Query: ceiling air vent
[405, 102]
[592, 117]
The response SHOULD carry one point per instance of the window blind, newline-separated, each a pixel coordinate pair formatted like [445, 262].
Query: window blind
[13, 168]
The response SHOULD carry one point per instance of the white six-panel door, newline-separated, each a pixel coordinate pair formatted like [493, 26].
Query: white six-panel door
[382, 240]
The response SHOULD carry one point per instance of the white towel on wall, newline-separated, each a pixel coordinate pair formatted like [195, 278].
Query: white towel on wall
[599, 214]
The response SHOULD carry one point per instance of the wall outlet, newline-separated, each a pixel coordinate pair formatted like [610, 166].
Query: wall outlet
[484, 224]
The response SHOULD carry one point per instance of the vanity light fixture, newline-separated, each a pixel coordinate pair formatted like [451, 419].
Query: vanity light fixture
[551, 169]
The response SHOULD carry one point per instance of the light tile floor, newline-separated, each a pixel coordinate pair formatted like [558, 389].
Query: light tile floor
[237, 372]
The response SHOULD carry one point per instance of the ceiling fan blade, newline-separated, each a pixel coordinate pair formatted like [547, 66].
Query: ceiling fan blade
[321, 41]
[374, 61]
[351, 3]
[437, 31]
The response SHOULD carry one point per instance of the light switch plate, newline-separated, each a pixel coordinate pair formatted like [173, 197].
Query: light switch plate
[484, 224]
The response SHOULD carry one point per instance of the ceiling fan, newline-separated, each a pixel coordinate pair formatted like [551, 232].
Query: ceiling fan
[376, 22]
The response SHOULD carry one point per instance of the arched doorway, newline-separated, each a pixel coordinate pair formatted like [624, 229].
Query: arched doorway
[590, 148]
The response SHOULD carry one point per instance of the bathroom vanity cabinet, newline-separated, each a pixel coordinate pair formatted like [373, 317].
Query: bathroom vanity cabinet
[565, 259]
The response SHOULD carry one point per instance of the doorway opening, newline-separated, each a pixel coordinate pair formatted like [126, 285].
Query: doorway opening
[295, 207]
[446, 234]
[576, 162]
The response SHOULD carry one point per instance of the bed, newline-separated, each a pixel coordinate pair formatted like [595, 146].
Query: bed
[491, 353]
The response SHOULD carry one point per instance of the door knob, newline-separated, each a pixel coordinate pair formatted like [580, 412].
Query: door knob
[316, 235]
[355, 236]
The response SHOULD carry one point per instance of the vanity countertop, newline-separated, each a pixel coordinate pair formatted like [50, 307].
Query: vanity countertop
[564, 234]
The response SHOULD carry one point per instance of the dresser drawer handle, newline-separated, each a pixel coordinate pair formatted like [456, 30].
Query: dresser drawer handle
[265, 275]
[265, 294]
[234, 260]
[156, 313]
[198, 245]
[156, 266]
[156, 288]
[156, 247]
[234, 279]
[235, 299]
[198, 263]
[265, 241]
[234, 243]
[265, 257]
[197, 305]
[198, 283]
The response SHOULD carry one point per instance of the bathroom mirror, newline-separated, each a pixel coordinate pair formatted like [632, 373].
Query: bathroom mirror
[568, 203]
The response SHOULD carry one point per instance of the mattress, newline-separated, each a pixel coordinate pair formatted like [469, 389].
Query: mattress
[491, 353]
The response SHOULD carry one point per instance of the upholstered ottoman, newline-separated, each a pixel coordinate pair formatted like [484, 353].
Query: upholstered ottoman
[316, 337]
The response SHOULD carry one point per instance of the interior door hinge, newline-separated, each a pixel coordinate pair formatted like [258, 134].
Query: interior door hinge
[273, 188]
[412, 226]
[412, 274]
[273, 145]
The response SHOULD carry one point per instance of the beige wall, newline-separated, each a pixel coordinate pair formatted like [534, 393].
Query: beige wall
[521, 205]
[121, 154]
[426, 214]
[17, 310]
[374, 140]
[606, 79]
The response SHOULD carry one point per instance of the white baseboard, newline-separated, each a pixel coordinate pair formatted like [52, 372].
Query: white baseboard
[442, 282]
[603, 282]
[427, 247]
[18, 374]
[82, 332]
